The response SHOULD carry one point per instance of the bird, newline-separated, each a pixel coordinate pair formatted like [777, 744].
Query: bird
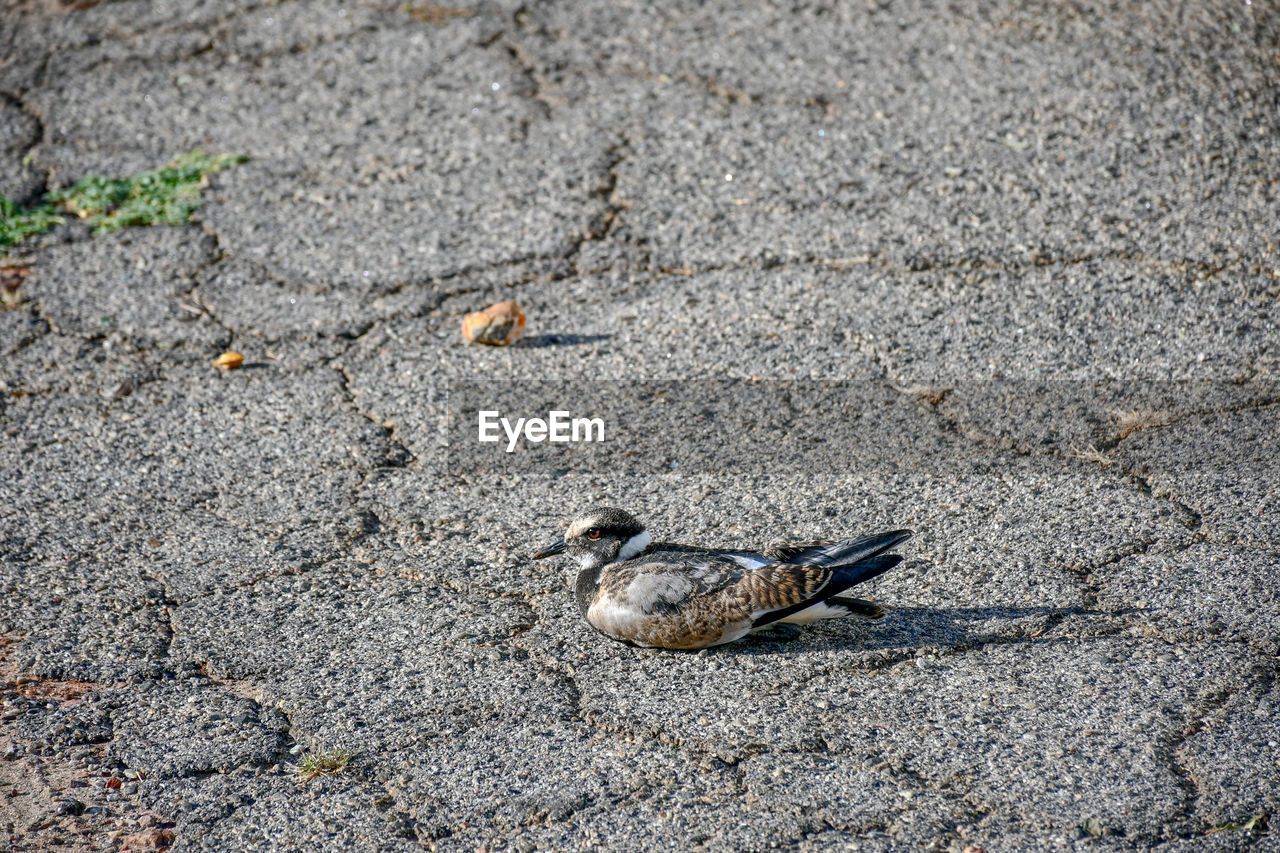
[664, 595]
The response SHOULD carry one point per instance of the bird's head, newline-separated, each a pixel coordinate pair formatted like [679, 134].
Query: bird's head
[601, 536]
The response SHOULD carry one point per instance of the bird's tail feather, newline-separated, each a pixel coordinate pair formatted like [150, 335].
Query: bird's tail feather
[850, 551]
[844, 576]
[859, 606]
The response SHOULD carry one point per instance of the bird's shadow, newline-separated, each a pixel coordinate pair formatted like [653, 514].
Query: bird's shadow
[907, 629]
[562, 340]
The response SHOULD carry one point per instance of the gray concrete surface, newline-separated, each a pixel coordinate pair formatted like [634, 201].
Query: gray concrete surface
[1032, 243]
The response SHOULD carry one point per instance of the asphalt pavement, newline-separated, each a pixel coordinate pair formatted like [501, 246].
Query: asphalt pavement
[1004, 273]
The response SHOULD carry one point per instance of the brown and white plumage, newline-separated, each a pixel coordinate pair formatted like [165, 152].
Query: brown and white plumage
[681, 597]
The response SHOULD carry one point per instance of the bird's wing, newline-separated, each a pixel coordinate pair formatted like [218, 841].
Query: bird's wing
[830, 553]
[838, 579]
[667, 599]
[783, 552]
[662, 582]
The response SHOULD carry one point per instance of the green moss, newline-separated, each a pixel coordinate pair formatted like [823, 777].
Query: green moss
[166, 196]
[17, 224]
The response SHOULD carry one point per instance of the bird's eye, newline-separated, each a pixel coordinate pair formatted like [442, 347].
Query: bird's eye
[593, 533]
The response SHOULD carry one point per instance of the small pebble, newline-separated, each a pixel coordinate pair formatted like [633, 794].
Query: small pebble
[497, 325]
[70, 807]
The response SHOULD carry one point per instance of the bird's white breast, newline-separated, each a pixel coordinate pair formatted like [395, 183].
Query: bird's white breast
[614, 617]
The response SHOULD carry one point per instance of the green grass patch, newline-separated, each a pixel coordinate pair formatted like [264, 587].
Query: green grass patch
[314, 764]
[165, 196]
[17, 224]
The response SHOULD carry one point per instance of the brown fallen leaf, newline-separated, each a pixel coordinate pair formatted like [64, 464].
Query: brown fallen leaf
[498, 325]
[10, 281]
[229, 360]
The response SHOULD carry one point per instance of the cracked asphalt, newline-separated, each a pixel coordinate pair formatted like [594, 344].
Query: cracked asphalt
[1028, 247]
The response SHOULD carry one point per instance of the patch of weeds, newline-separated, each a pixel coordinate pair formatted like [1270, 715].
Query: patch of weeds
[315, 764]
[17, 224]
[1090, 454]
[1127, 423]
[1257, 823]
[165, 196]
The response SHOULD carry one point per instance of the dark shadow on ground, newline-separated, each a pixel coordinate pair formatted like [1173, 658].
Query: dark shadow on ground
[907, 629]
[562, 340]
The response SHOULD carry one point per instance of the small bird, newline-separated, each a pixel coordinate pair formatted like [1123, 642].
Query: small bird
[681, 597]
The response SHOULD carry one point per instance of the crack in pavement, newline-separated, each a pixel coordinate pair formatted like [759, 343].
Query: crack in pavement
[34, 140]
[605, 191]
[398, 454]
[541, 89]
[1086, 573]
[1169, 751]
[1192, 519]
[19, 100]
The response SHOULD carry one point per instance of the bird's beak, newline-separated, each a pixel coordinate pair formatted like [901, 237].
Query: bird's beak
[551, 550]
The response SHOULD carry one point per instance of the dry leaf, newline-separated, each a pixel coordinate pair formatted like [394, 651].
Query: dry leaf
[10, 280]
